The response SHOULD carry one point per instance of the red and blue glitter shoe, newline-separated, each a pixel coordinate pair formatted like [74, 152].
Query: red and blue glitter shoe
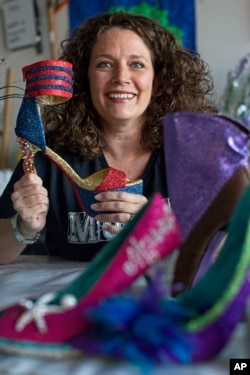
[51, 82]
[46, 324]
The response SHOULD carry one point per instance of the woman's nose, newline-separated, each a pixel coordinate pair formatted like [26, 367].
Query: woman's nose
[121, 75]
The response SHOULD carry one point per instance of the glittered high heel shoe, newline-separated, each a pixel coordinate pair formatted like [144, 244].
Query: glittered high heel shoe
[43, 325]
[207, 162]
[49, 82]
[193, 327]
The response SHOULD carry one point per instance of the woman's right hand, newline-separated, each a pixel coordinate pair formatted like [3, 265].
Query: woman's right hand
[30, 200]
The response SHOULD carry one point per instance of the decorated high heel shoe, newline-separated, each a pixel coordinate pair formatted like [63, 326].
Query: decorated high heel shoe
[45, 324]
[49, 82]
[193, 327]
[207, 162]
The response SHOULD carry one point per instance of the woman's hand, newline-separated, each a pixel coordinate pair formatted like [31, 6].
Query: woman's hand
[121, 205]
[30, 200]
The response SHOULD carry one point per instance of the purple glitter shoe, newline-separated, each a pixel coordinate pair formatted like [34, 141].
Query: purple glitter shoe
[207, 171]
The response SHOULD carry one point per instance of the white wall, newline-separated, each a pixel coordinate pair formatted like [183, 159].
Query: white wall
[223, 35]
[223, 38]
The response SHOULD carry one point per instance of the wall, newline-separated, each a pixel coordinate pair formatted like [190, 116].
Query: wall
[223, 35]
[223, 38]
[20, 58]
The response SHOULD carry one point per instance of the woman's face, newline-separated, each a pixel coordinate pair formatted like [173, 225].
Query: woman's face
[121, 77]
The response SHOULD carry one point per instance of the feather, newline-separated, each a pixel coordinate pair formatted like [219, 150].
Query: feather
[140, 328]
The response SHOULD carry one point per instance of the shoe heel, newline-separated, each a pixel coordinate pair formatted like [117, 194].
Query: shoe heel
[47, 82]
[204, 240]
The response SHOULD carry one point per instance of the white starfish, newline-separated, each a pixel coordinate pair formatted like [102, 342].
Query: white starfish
[36, 310]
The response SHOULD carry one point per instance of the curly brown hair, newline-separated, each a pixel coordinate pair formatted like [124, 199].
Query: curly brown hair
[184, 84]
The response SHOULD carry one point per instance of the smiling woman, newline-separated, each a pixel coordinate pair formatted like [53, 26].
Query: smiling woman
[121, 78]
[128, 73]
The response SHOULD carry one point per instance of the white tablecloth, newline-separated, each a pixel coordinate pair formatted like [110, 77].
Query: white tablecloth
[34, 275]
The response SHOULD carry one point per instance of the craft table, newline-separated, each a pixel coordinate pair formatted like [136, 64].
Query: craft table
[31, 276]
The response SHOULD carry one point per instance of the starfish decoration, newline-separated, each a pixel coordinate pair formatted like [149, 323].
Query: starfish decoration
[35, 311]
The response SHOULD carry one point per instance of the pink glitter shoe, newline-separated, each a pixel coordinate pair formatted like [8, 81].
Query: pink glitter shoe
[39, 325]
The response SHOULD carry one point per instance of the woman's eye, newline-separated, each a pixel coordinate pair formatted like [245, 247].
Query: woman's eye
[104, 65]
[137, 65]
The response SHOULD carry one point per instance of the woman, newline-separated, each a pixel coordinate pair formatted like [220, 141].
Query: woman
[128, 73]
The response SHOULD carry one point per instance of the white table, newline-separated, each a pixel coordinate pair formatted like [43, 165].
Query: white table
[34, 275]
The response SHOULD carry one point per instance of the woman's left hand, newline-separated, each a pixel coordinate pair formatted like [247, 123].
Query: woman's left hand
[122, 206]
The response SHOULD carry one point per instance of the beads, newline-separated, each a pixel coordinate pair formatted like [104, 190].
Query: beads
[68, 300]
[28, 154]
